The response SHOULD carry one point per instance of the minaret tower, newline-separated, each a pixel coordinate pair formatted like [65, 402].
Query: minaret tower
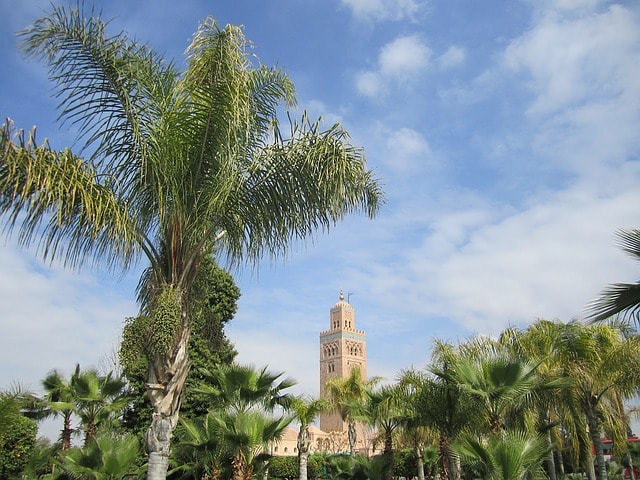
[342, 348]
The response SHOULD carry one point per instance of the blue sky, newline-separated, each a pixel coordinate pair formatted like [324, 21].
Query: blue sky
[506, 134]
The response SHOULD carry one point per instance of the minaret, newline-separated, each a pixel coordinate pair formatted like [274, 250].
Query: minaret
[342, 347]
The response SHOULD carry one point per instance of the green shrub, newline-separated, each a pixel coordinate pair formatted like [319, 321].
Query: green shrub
[283, 467]
[405, 464]
[17, 437]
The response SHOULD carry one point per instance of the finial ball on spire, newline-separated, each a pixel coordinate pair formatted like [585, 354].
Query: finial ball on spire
[341, 295]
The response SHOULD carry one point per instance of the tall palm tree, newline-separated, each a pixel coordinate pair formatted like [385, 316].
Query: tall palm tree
[305, 411]
[597, 358]
[348, 395]
[537, 343]
[172, 165]
[444, 406]
[620, 298]
[383, 411]
[415, 429]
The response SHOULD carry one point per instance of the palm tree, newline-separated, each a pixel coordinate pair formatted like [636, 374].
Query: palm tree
[348, 394]
[105, 457]
[537, 343]
[383, 410]
[58, 399]
[198, 452]
[97, 399]
[448, 408]
[506, 456]
[501, 384]
[240, 388]
[415, 430]
[244, 436]
[597, 358]
[172, 166]
[620, 298]
[237, 425]
[306, 411]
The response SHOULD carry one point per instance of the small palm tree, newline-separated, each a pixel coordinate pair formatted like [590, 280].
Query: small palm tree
[97, 399]
[347, 395]
[243, 436]
[105, 457]
[306, 411]
[506, 456]
[239, 388]
[59, 400]
[198, 452]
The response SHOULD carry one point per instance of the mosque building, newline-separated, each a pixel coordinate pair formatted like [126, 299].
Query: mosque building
[342, 348]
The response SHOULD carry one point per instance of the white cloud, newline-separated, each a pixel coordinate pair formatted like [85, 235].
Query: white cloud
[369, 83]
[551, 245]
[404, 56]
[407, 149]
[53, 319]
[400, 61]
[453, 57]
[577, 59]
[380, 10]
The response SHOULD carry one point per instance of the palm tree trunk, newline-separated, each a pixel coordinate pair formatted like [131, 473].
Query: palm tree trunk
[304, 442]
[559, 461]
[303, 459]
[388, 453]
[594, 432]
[551, 464]
[420, 462]
[449, 462]
[632, 473]
[167, 375]
[352, 437]
[65, 435]
[443, 447]
[91, 429]
[238, 466]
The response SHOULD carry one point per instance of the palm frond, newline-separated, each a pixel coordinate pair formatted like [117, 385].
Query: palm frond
[59, 199]
[618, 299]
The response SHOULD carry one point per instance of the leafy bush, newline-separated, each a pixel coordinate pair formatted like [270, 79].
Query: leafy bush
[405, 464]
[17, 437]
[283, 467]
